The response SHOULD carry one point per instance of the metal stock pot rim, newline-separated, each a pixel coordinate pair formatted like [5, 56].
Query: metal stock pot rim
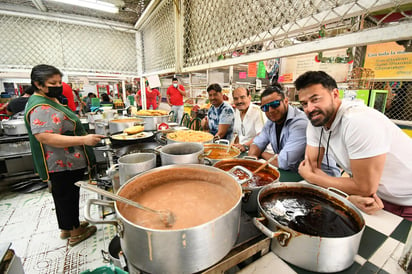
[171, 167]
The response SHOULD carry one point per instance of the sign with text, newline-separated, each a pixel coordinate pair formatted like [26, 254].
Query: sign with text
[251, 70]
[294, 66]
[389, 61]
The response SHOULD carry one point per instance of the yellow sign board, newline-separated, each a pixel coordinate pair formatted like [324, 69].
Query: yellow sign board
[389, 61]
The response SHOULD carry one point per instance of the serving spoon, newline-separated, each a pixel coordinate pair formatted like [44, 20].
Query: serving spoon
[166, 216]
[262, 166]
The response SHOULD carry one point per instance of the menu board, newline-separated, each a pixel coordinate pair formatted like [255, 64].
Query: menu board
[293, 67]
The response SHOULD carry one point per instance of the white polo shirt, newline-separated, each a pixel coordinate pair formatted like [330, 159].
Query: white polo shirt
[253, 123]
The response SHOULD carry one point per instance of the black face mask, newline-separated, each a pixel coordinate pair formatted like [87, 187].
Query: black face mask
[55, 92]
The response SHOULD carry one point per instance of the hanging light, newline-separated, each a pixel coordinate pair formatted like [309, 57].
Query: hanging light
[92, 4]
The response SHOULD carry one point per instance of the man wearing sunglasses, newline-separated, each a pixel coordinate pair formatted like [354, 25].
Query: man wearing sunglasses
[220, 117]
[285, 130]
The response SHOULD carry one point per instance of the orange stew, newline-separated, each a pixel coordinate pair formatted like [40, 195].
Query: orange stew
[220, 153]
[262, 178]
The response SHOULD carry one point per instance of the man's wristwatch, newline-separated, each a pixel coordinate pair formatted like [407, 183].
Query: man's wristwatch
[245, 147]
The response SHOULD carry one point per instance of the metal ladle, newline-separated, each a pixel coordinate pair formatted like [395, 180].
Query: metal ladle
[166, 216]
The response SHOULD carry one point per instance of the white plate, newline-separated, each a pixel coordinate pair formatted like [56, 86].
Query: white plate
[125, 136]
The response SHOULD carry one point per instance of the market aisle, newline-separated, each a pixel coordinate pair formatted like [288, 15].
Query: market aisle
[28, 221]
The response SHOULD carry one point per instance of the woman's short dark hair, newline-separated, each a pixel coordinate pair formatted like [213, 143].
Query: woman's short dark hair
[215, 87]
[315, 77]
[41, 73]
[276, 87]
[174, 79]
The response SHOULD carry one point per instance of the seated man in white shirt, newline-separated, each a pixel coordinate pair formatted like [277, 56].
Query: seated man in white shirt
[249, 119]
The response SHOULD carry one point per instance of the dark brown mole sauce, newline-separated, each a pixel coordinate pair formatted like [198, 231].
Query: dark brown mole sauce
[310, 215]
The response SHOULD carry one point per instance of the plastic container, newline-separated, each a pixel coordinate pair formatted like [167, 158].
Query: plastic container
[105, 270]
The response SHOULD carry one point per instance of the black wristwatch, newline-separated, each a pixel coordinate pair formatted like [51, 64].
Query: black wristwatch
[245, 147]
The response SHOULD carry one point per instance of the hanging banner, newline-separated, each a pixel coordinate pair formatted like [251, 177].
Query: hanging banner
[242, 75]
[251, 70]
[389, 61]
[261, 73]
[154, 81]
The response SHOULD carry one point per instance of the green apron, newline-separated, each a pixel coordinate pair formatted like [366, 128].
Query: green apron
[39, 159]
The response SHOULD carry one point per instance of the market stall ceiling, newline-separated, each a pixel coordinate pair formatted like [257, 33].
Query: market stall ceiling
[129, 13]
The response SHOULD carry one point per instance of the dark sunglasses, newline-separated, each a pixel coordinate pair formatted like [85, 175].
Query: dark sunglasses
[274, 104]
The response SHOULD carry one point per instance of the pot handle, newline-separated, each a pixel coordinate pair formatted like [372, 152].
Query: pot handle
[112, 169]
[157, 149]
[8, 126]
[339, 192]
[222, 142]
[88, 217]
[250, 158]
[282, 236]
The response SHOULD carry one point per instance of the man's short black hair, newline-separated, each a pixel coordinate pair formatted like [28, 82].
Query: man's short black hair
[315, 77]
[215, 87]
[29, 90]
[174, 79]
[276, 87]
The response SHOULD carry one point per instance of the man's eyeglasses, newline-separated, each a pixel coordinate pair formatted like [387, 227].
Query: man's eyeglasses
[274, 104]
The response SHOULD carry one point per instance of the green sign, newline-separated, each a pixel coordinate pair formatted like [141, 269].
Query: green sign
[261, 73]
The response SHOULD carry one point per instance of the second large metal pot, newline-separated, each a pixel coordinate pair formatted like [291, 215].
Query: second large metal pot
[181, 153]
[118, 125]
[151, 122]
[321, 223]
[132, 164]
[183, 250]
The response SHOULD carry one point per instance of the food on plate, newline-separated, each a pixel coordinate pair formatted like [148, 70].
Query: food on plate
[150, 112]
[190, 136]
[133, 130]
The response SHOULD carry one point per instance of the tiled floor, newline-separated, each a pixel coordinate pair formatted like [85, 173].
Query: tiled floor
[381, 247]
[28, 221]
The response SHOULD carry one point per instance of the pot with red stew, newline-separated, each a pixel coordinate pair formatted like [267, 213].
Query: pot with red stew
[268, 175]
[308, 223]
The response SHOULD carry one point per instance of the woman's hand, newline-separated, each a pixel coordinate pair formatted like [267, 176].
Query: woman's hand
[368, 205]
[92, 139]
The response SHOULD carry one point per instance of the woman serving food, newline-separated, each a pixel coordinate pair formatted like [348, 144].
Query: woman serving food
[61, 149]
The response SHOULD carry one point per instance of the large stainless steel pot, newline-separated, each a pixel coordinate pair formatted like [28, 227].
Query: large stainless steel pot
[151, 122]
[181, 153]
[14, 127]
[185, 250]
[306, 250]
[132, 164]
[118, 125]
[251, 188]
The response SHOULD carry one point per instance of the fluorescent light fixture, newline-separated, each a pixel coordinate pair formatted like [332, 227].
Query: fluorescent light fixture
[91, 4]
